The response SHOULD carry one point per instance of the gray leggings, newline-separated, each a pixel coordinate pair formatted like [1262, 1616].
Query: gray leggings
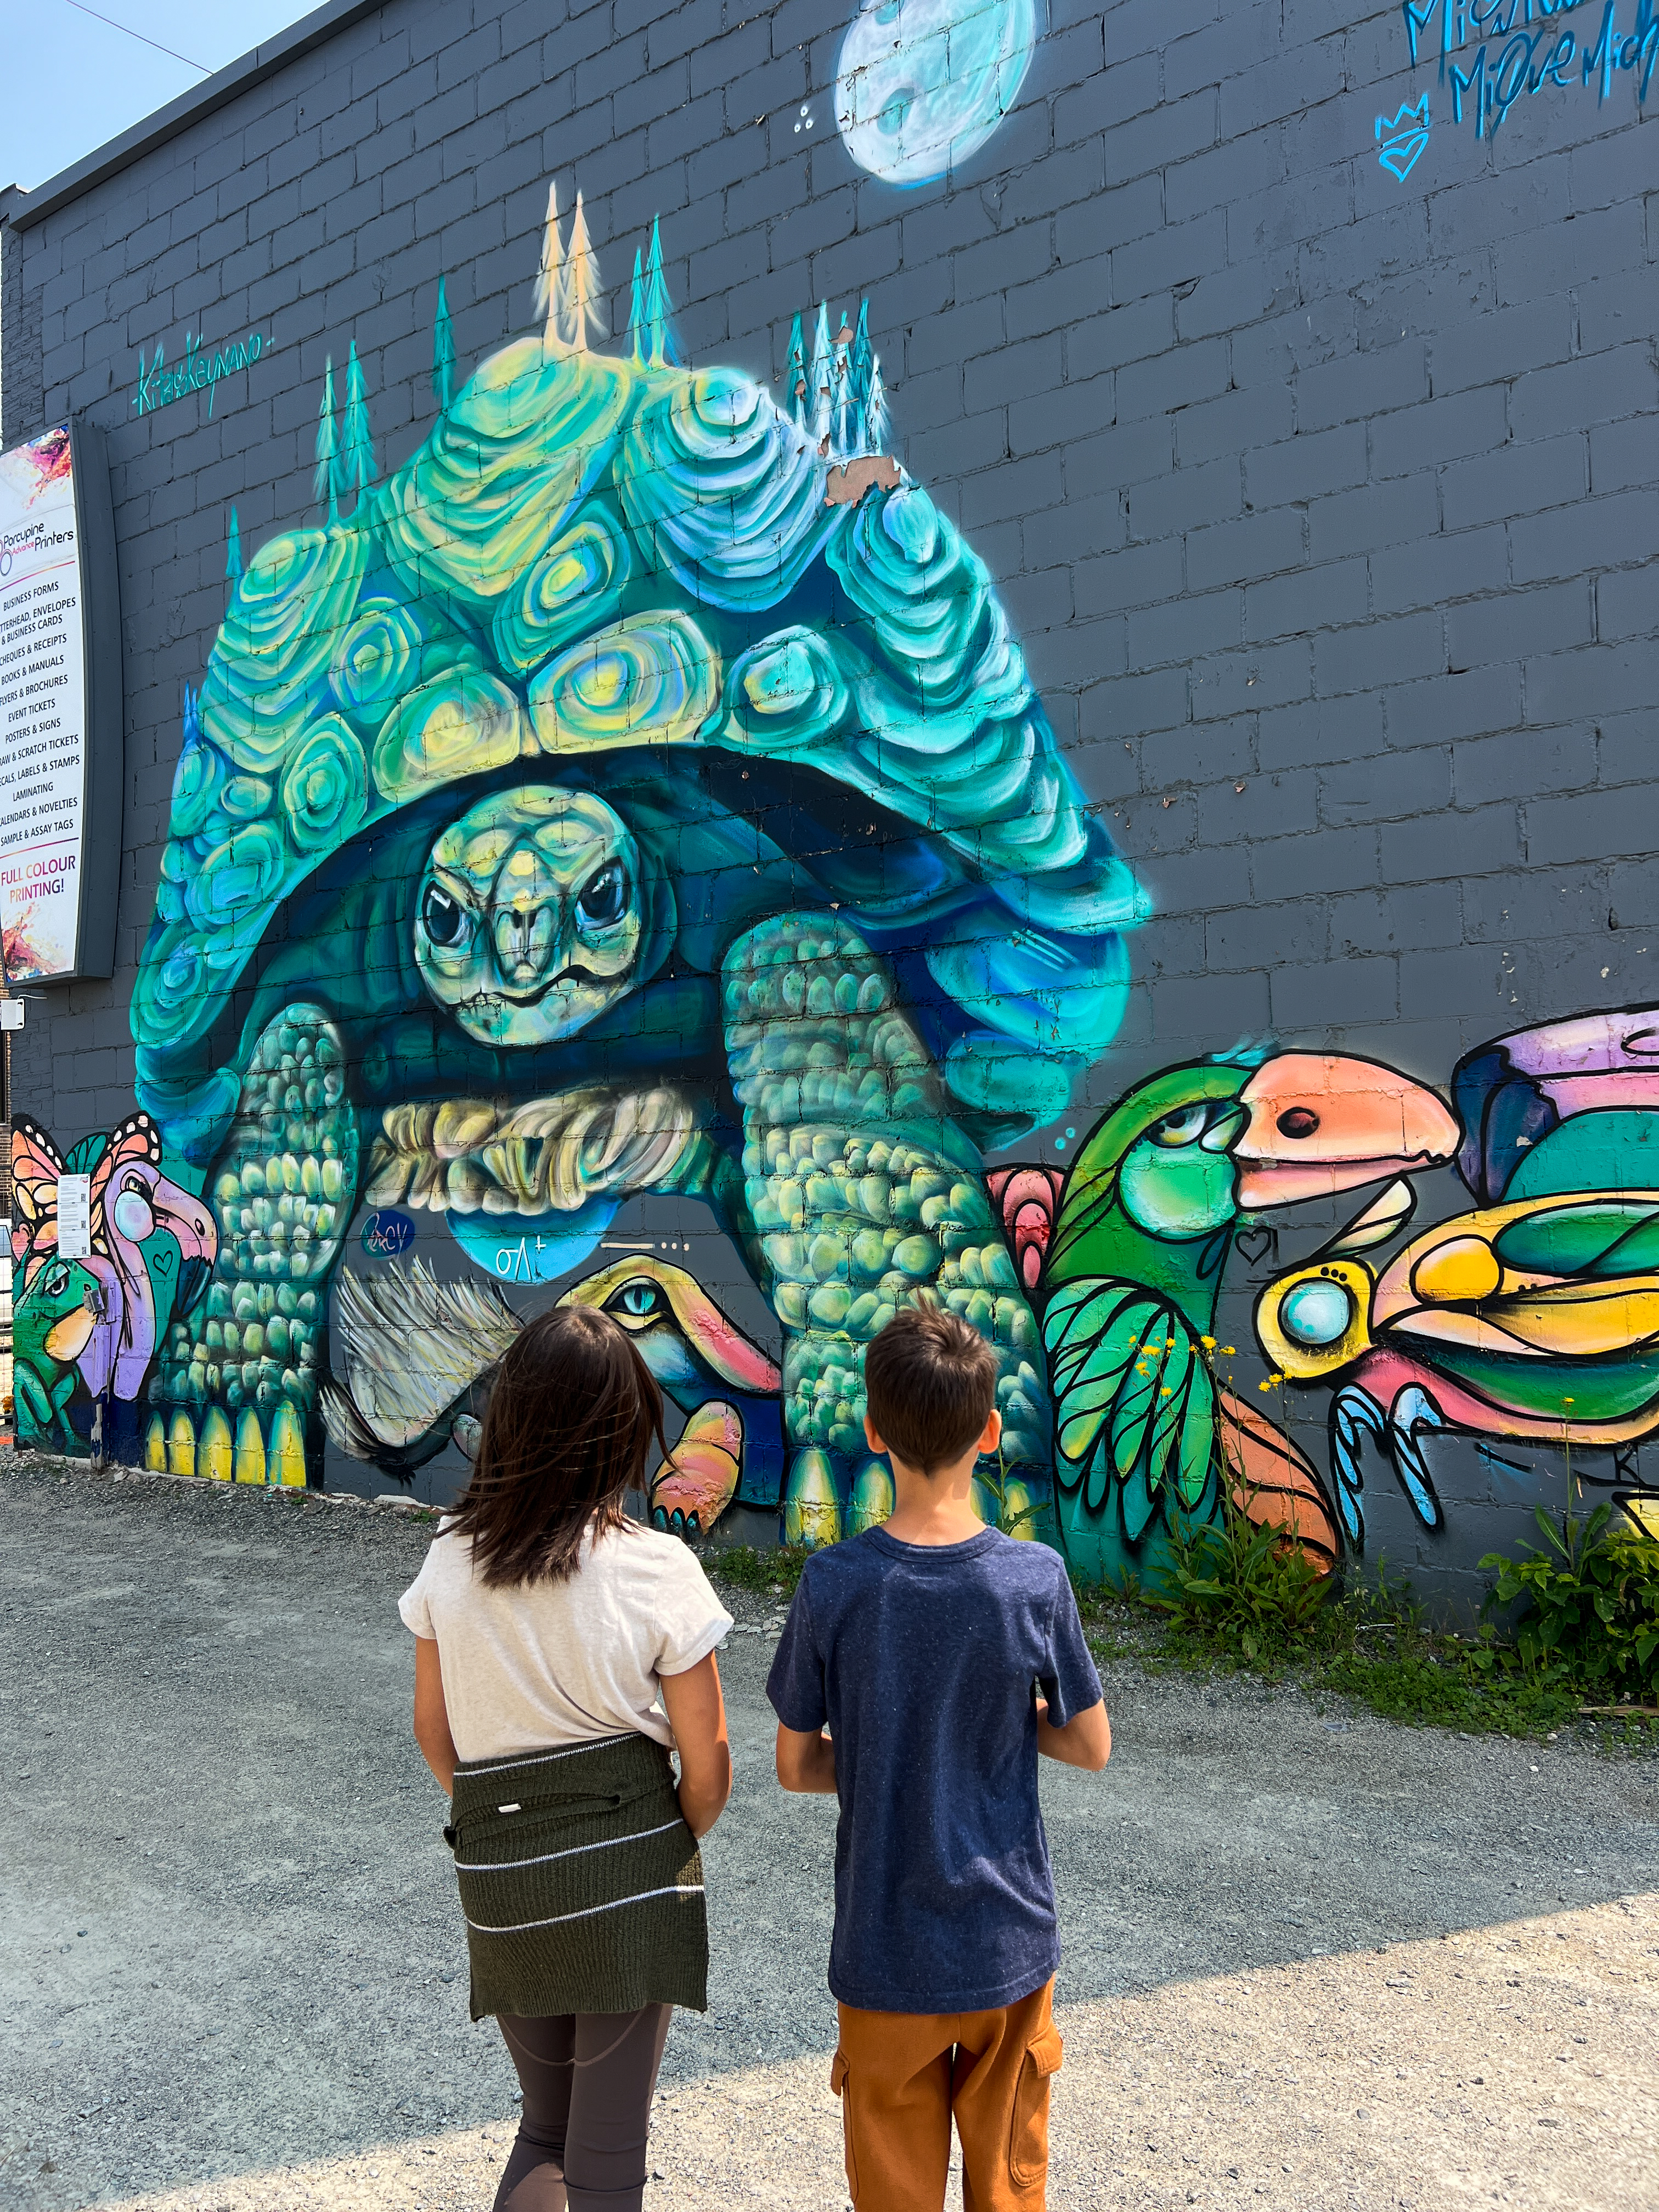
[588, 2079]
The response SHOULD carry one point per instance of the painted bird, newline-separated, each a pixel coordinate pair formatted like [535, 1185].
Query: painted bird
[414, 1359]
[697, 1355]
[1133, 1272]
[1535, 1317]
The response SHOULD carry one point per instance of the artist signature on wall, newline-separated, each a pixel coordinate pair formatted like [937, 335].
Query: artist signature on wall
[159, 385]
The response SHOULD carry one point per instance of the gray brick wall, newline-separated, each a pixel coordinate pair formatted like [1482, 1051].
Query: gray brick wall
[1326, 504]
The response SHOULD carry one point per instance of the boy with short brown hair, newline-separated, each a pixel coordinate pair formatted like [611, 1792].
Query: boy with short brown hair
[942, 1656]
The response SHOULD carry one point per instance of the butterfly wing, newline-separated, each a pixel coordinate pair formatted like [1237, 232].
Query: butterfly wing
[137, 1139]
[36, 1165]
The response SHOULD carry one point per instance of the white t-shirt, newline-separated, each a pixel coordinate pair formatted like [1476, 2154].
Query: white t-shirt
[541, 1664]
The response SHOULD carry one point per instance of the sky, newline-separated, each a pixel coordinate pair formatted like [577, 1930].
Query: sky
[110, 76]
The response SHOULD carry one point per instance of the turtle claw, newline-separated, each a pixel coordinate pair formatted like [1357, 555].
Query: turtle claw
[811, 1500]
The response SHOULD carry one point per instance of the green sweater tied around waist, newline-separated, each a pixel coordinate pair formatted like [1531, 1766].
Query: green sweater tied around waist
[581, 1884]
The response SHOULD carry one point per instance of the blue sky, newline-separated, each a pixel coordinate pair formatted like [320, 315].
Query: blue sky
[106, 78]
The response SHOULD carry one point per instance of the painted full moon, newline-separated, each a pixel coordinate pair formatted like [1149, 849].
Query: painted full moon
[923, 83]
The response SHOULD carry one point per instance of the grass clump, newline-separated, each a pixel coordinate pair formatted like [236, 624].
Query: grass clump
[1247, 1587]
[1247, 1596]
[770, 1573]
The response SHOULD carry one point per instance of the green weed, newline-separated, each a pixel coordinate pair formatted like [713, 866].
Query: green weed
[1247, 1597]
[1246, 1586]
[1589, 1606]
[768, 1573]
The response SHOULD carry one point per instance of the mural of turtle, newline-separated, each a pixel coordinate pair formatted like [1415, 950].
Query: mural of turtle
[614, 803]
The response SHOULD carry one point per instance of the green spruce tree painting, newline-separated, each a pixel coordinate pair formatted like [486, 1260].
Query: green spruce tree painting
[443, 352]
[357, 468]
[233, 552]
[662, 347]
[325, 483]
[636, 315]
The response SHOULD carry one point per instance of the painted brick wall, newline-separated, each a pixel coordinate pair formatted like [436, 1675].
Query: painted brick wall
[1323, 502]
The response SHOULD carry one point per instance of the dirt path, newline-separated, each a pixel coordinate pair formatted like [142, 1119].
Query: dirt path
[1312, 1961]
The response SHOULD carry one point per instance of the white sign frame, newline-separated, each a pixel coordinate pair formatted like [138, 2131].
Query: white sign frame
[61, 755]
[75, 1217]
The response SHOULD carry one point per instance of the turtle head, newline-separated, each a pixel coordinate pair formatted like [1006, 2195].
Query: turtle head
[528, 920]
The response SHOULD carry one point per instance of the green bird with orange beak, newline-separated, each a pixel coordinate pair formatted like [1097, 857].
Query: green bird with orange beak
[1147, 1442]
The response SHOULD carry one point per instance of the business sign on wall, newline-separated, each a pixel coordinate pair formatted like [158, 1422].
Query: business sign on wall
[61, 755]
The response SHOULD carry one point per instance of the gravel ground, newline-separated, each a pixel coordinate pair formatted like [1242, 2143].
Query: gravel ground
[1312, 1960]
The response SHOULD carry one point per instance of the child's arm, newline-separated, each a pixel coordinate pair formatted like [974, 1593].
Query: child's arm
[696, 1713]
[432, 1715]
[807, 1762]
[1086, 1740]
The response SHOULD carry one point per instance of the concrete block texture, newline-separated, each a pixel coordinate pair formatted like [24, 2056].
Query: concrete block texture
[1314, 502]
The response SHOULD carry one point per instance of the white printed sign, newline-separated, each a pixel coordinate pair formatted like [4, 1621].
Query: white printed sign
[43, 704]
[75, 1217]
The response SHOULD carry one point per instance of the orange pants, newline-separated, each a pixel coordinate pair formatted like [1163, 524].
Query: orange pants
[901, 2076]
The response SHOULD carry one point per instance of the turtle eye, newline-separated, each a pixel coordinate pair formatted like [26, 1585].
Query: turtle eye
[56, 1278]
[1185, 1127]
[636, 1301]
[604, 900]
[442, 918]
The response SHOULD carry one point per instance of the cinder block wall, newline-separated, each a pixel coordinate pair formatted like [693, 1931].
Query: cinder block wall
[1322, 501]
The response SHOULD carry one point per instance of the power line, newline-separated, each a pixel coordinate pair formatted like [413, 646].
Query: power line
[139, 35]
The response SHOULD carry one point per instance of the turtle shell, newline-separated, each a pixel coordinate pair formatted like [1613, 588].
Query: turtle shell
[589, 558]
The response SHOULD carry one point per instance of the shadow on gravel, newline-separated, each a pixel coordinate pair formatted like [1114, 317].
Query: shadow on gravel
[232, 1938]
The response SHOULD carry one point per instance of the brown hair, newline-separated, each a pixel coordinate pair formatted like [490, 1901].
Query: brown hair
[570, 1420]
[931, 1381]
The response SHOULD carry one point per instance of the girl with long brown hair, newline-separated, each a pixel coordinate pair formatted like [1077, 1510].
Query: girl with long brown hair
[562, 1650]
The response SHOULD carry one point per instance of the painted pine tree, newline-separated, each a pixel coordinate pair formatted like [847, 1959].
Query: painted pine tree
[858, 395]
[443, 351]
[797, 374]
[233, 552]
[821, 376]
[636, 315]
[325, 483]
[663, 350]
[843, 389]
[875, 411]
[357, 467]
[549, 287]
[581, 316]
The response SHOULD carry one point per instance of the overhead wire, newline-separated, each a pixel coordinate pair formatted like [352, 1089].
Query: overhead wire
[139, 35]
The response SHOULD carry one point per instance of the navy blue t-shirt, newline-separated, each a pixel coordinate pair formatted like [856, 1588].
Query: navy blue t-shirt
[924, 1663]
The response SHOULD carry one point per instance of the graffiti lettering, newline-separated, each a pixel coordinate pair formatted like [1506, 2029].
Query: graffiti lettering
[1524, 62]
[159, 385]
[388, 1233]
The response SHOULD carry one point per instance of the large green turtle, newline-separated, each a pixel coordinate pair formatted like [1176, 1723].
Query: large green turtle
[602, 808]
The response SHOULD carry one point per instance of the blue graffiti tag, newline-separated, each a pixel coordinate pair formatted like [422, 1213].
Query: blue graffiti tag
[1528, 60]
[1407, 135]
[386, 1233]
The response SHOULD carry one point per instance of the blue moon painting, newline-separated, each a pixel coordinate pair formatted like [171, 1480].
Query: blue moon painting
[923, 84]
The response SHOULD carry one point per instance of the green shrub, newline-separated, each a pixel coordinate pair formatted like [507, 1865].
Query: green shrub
[1246, 1586]
[1589, 1604]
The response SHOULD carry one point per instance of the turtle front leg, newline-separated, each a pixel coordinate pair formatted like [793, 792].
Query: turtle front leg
[237, 1387]
[861, 1193]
